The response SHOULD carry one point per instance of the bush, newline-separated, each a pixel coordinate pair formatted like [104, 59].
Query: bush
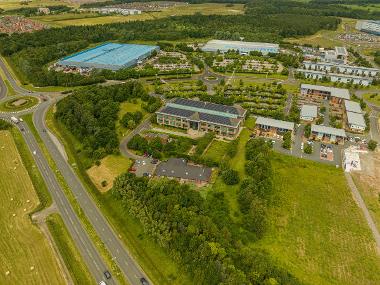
[308, 149]
[372, 145]
[287, 140]
[307, 131]
[230, 177]
[5, 125]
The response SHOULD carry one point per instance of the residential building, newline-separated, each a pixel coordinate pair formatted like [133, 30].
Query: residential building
[269, 127]
[309, 112]
[178, 168]
[201, 116]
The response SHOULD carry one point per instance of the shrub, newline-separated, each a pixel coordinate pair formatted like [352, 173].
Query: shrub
[372, 145]
[308, 149]
[230, 177]
[5, 125]
[307, 131]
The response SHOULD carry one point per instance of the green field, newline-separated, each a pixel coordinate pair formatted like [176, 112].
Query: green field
[126, 107]
[69, 252]
[70, 19]
[317, 231]
[216, 151]
[25, 252]
[373, 98]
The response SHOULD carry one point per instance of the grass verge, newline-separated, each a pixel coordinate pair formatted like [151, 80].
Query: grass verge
[111, 264]
[69, 252]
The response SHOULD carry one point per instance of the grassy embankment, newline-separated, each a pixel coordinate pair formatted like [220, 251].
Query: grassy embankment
[18, 104]
[155, 262]
[26, 256]
[111, 264]
[68, 250]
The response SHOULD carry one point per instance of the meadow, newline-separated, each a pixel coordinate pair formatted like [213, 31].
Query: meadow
[25, 253]
[317, 231]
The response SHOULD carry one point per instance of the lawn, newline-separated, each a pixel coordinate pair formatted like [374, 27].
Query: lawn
[373, 98]
[25, 252]
[217, 150]
[317, 231]
[110, 167]
[236, 163]
[126, 107]
[69, 252]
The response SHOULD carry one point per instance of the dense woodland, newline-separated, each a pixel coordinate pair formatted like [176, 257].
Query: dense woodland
[90, 115]
[265, 23]
[198, 232]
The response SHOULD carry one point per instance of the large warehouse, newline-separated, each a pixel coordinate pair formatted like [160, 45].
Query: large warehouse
[371, 27]
[242, 47]
[109, 56]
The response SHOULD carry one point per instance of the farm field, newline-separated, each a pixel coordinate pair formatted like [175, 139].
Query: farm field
[14, 4]
[93, 19]
[25, 253]
[317, 231]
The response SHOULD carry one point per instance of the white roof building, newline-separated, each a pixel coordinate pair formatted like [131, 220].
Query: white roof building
[352, 106]
[308, 112]
[242, 47]
[328, 131]
[334, 92]
[282, 125]
[356, 121]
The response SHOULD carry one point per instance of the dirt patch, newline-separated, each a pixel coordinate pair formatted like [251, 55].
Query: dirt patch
[104, 174]
[19, 102]
[369, 176]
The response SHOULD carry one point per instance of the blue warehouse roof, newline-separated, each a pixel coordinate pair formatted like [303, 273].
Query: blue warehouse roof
[109, 56]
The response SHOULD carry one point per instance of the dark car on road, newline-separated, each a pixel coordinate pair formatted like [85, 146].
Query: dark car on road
[107, 274]
[144, 281]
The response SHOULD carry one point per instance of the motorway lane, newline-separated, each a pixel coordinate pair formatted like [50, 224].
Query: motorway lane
[119, 253]
[86, 247]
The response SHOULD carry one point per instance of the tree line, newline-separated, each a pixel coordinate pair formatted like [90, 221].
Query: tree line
[90, 115]
[198, 233]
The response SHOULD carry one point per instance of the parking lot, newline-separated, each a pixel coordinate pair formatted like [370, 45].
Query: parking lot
[144, 167]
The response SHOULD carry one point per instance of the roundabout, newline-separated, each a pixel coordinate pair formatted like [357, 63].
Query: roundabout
[19, 103]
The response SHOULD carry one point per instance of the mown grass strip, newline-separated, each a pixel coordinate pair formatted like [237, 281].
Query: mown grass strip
[69, 252]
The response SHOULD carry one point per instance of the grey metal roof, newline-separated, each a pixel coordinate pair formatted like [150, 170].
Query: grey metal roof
[275, 123]
[179, 168]
[209, 106]
[328, 130]
[356, 119]
[352, 106]
[335, 92]
[309, 111]
[341, 51]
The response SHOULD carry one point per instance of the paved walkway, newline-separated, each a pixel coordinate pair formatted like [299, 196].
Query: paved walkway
[359, 200]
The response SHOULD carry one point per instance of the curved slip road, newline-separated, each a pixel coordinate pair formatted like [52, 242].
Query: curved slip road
[87, 249]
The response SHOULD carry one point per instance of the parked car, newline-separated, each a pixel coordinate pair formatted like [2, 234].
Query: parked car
[144, 281]
[107, 274]
[146, 174]
[302, 146]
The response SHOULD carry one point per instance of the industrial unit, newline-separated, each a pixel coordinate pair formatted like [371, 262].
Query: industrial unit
[318, 92]
[201, 116]
[272, 128]
[370, 27]
[355, 118]
[242, 47]
[327, 134]
[309, 112]
[109, 56]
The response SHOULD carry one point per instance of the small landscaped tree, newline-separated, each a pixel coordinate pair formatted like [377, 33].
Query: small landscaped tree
[287, 140]
[308, 149]
[307, 131]
[230, 176]
[372, 145]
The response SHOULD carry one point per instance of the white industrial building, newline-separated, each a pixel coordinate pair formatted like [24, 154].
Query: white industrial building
[309, 112]
[355, 118]
[335, 77]
[341, 68]
[371, 27]
[242, 47]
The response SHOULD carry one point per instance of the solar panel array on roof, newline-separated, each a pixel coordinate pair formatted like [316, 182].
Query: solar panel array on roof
[177, 112]
[217, 119]
[207, 106]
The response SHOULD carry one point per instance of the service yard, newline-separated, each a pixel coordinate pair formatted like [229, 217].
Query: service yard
[25, 254]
